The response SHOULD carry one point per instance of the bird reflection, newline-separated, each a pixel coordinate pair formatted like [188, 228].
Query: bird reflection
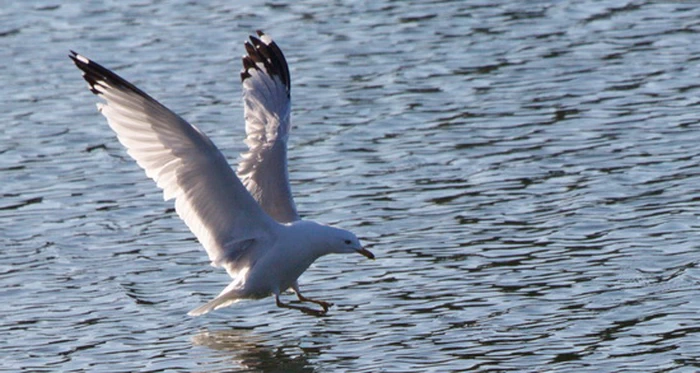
[250, 351]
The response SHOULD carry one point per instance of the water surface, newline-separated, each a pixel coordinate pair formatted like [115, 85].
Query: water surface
[525, 172]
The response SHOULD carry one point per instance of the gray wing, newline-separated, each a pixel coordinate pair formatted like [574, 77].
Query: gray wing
[267, 105]
[186, 165]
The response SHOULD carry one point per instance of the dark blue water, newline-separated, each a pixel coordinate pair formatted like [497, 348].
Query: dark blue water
[526, 173]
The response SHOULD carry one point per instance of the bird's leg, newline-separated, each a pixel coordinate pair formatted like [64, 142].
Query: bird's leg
[306, 310]
[325, 305]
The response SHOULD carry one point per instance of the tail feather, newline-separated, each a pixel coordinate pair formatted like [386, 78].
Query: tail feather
[224, 299]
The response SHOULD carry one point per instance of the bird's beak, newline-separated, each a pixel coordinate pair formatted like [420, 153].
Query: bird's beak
[366, 253]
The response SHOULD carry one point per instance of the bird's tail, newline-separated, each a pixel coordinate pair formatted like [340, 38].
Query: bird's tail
[226, 298]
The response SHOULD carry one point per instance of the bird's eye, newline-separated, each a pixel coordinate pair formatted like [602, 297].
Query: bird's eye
[348, 242]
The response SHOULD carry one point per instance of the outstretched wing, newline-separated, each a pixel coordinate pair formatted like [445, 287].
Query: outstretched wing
[267, 106]
[186, 165]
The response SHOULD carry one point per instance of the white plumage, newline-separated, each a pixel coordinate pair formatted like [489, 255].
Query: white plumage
[250, 228]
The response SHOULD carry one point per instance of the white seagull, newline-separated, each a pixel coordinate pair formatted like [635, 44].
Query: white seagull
[250, 228]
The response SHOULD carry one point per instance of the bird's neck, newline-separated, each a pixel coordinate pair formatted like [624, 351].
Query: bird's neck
[314, 237]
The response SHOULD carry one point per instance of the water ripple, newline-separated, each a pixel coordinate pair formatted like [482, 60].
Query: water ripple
[526, 174]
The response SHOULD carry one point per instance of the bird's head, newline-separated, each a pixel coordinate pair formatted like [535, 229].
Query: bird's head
[338, 241]
[347, 242]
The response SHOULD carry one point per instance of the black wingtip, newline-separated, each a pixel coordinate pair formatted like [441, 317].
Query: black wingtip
[269, 55]
[73, 56]
[96, 75]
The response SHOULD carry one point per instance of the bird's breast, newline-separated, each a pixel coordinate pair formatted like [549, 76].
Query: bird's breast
[276, 272]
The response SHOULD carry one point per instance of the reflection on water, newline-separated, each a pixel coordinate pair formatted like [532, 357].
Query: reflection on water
[244, 349]
[526, 173]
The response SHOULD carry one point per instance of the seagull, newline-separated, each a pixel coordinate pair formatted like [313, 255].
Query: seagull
[246, 220]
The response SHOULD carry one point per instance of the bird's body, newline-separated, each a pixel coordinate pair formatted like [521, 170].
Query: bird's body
[248, 226]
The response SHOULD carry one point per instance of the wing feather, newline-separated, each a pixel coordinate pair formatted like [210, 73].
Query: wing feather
[186, 165]
[267, 106]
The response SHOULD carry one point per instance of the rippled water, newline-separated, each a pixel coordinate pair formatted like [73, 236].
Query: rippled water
[526, 173]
